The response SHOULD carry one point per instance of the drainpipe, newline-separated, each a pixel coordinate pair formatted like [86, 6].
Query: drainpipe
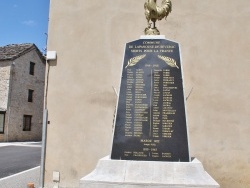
[42, 168]
[50, 56]
[45, 123]
[44, 136]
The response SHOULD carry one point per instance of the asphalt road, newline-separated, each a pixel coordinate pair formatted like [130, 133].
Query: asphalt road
[15, 159]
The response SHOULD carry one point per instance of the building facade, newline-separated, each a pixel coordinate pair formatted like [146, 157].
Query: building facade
[22, 73]
[90, 36]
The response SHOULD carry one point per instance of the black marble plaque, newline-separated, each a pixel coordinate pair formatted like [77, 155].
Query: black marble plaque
[150, 120]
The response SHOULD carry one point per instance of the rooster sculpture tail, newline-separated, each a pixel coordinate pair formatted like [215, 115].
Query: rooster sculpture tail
[154, 12]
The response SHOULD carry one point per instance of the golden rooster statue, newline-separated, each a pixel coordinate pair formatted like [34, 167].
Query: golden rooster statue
[154, 13]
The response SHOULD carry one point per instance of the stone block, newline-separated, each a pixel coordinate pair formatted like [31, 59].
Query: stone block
[148, 174]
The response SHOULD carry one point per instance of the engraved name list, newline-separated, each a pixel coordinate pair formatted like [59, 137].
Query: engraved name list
[150, 121]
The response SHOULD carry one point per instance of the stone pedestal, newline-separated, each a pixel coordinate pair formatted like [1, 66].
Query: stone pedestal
[148, 174]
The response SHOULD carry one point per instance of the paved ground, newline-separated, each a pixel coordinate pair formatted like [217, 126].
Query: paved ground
[19, 164]
[27, 144]
[18, 158]
[22, 179]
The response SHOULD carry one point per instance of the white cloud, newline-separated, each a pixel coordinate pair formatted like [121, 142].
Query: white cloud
[29, 22]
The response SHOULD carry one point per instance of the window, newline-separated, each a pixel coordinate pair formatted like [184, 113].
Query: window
[2, 116]
[32, 68]
[27, 122]
[30, 95]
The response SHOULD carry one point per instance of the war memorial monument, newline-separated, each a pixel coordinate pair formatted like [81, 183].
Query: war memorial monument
[150, 143]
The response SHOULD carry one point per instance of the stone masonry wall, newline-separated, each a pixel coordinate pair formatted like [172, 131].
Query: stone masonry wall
[4, 88]
[19, 105]
[4, 84]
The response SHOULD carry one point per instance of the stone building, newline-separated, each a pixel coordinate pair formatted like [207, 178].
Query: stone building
[89, 38]
[22, 78]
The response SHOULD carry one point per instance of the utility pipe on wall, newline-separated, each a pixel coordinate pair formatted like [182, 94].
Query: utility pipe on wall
[42, 169]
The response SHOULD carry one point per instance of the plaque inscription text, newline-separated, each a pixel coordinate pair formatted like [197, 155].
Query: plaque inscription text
[150, 120]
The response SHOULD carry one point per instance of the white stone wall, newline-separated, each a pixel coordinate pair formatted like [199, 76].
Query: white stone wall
[22, 81]
[4, 84]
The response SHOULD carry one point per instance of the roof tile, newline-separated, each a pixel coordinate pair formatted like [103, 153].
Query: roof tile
[13, 51]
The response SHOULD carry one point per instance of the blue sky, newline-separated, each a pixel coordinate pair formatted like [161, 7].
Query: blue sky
[24, 21]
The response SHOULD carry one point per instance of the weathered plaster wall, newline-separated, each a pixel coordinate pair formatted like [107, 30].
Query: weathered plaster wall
[4, 84]
[89, 37]
[4, 90]
[22, 81]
